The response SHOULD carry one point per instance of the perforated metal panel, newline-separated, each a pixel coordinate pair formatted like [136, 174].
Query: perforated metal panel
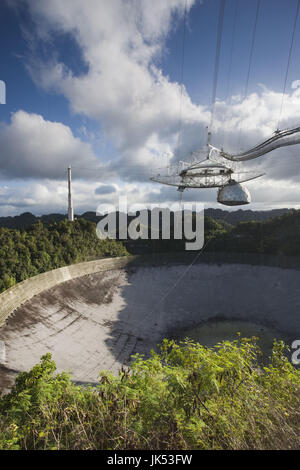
[234, 195]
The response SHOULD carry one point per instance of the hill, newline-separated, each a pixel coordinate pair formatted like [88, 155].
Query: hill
[40, 248]
[241, 215]
[44, 245]
[279, 236]
[26, 220]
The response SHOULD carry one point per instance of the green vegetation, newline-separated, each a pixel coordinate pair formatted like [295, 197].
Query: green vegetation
[278, 236]
[243, 215]
[186, 397]
[43, 247]
[26, 220]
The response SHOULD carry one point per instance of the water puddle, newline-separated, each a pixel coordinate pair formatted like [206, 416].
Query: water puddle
[212, 332]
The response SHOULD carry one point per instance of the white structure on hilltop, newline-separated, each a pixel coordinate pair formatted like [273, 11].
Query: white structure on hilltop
[70, 202]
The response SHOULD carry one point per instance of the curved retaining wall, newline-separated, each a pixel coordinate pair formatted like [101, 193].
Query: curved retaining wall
[15, 296]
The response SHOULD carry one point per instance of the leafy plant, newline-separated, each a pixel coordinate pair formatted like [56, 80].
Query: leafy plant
[185, 397]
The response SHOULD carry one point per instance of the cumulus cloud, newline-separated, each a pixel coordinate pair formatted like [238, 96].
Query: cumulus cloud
[37, 197]
[50, 196]
[34, 147]
[295, 84]
[123, 88]
[106, 189]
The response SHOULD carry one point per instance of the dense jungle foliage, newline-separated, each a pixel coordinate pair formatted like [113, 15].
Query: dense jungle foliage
[278, 236]
[26, 220]
[186, 397]
[43, 247]
[49, 245]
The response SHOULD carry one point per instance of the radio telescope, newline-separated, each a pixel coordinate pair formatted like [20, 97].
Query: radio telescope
[209, 173]
[213, 173]
[217, 170]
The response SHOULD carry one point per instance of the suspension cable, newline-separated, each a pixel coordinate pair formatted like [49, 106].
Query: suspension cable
[288, 62]
[231, 48]
[250, 61]
[181, 76]
[229, 88]
[217, 61]
[252, 47]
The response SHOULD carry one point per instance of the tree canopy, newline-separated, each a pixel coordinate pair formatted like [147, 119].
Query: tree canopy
[26, 253]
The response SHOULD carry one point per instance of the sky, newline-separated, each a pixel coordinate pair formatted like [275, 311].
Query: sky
[118, 88]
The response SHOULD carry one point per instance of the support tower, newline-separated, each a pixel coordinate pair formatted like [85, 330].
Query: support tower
[70, 203]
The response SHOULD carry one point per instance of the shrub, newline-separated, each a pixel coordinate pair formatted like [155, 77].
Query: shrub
[186, 397]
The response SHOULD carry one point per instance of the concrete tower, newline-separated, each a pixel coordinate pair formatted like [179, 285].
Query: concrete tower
[70, 203]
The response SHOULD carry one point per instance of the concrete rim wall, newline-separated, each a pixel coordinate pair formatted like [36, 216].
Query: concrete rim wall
[15, 296]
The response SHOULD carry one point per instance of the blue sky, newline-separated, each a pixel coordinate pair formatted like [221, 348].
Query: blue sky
[271, 47]
[98, 85]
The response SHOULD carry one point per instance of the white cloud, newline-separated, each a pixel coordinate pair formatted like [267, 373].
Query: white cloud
[135, 104]
[106, 189]
[123, 88]
[295, 84]
[50, 196]
[33, 147]
[44, 197]
[126, 92]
